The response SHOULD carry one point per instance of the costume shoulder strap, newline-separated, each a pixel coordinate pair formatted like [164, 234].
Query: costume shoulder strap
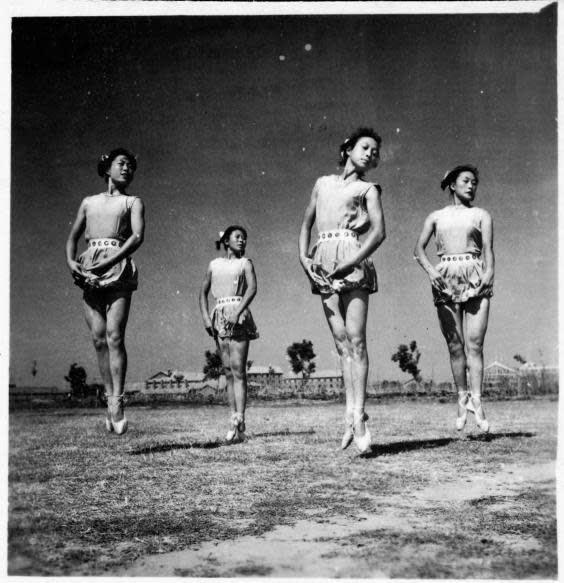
[130, 200]
[364, 193]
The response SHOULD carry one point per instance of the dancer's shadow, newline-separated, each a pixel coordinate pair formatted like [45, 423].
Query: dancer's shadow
[283, 432]
[163, 447]
[403, 446]
[159, 448]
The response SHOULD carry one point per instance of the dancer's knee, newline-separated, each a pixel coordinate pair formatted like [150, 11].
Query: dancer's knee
[115, 340]
[343, 345]
[475, 347]
[455, 348]
[100, 343]
[358, 346]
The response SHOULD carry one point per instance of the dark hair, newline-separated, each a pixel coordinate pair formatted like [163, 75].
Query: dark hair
[351, 141]
[453, 174]
[224, 237]
[106, 160]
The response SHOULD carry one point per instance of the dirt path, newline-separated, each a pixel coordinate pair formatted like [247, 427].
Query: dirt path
[313, 549]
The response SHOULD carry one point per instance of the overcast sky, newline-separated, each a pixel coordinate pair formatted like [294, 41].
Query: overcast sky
[233, 118]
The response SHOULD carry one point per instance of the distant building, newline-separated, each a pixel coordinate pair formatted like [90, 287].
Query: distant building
[173, 379]
[265, 375]
[496, 372]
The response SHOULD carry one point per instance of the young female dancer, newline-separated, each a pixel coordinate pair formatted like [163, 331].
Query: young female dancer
[233, 284]
[113, 224]
[343, 207]
[462, 284]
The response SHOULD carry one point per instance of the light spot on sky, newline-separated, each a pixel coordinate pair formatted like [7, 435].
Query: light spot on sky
[481, 91]
[324, 117]
[303, 149]
[177, 292]
[308, 47]
[282, 57]
[263, 172]
[397, 130]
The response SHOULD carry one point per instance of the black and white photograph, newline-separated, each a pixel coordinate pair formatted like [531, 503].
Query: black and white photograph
[283, 289]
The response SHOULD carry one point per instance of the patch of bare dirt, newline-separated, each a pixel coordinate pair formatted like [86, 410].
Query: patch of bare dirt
[322, 549]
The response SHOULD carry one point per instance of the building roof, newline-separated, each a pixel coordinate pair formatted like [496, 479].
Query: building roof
[318, 374]
[264, 370]
[496, 364]
[185, 374]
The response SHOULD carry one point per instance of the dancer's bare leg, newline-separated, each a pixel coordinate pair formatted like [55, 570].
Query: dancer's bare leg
[334, 312]
[356, 309]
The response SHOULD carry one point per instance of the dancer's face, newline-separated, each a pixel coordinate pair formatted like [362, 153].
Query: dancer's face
[465, 186]
[365, 154]
[121, 170]
[237, 242]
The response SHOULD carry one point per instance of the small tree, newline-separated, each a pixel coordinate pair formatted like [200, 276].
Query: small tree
[408, 358]
[77, 379]
[213, 368]
[519, 359]
[301, 355]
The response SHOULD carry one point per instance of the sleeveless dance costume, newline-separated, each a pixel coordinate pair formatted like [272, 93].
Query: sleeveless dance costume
[341, 209]
[108, 225]
[228, 286]
[458, 237]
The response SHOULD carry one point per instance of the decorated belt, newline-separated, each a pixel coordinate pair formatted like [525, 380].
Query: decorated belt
[460, 257]
[105, 243]
[228, 300]
[337, 234]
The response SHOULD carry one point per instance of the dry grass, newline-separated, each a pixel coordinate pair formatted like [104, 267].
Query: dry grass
[83, 502]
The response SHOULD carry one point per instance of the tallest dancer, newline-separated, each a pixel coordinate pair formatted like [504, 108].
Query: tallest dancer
[344, 207]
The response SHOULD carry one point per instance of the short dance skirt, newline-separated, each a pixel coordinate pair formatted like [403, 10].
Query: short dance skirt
[463, 275]
[122, 276]
[245, 329]
[331, 248]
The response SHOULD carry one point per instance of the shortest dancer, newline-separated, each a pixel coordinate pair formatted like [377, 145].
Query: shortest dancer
[462, 284]
[233, 285]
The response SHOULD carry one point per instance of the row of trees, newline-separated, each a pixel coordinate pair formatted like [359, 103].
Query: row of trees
[301, 357]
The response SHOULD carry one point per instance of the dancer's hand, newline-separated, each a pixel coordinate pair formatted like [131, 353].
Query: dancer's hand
[306, 264]
[100, 268]
[208, 326]
[232, 319]
[76, 270]
[342, 269]
[437, 280]
[487, 284]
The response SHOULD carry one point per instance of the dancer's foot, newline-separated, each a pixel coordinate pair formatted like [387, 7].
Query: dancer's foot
[462, 414]
[117, 419]
[233, 433]
[362, 437]
[348, 435]
[479, 414]
[108, 420]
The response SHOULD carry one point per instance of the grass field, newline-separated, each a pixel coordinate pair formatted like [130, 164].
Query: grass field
[169, 498]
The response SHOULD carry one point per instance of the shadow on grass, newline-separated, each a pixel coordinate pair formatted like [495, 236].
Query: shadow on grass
[159, 448]
[162, 447]
[403, 446]
[284, 432]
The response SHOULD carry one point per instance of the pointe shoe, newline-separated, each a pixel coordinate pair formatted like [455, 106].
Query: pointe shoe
[363, 443]
[114, 402]
[348, 435]
[479, 414]
[463, 401]
[241, 427]
[108, 420]
[233, 433]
